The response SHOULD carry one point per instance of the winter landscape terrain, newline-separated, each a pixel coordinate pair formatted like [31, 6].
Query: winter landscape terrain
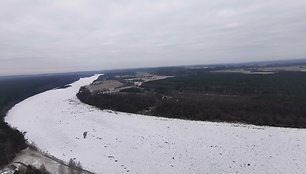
[113, 142]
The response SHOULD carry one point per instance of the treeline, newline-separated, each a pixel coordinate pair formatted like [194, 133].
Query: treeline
[124, 102]
[275, 99]
[11, 141]
[288, 84]
[233, 109]
[14, 90]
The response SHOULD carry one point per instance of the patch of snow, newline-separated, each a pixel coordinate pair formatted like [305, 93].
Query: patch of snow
[128, 143]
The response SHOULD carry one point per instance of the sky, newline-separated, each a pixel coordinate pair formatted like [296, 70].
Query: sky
[42, 36]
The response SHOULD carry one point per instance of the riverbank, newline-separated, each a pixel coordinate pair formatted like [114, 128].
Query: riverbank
[116, 142]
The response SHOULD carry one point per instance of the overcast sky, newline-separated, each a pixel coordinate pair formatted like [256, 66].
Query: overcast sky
[38, 36]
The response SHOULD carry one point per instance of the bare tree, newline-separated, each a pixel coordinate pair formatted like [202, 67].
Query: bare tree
[74, 167]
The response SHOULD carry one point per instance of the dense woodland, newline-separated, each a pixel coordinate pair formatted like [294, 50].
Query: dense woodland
[263, 99]
[12, 91]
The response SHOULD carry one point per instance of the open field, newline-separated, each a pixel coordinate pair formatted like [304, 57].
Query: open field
[284, 68]
[105, 85]
[243, 71]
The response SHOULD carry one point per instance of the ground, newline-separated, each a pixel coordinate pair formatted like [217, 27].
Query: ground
[128, 143]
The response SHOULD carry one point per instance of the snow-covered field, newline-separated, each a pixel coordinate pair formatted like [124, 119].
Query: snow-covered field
[127, 143]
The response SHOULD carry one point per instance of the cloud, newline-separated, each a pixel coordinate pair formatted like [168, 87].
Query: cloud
[72, 35]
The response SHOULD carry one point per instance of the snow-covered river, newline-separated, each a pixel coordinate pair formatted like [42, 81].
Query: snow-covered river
[127, 143]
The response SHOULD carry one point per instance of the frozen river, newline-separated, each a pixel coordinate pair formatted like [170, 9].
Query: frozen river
[56, 121]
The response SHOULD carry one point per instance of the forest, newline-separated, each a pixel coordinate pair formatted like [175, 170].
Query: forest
[262, 99]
